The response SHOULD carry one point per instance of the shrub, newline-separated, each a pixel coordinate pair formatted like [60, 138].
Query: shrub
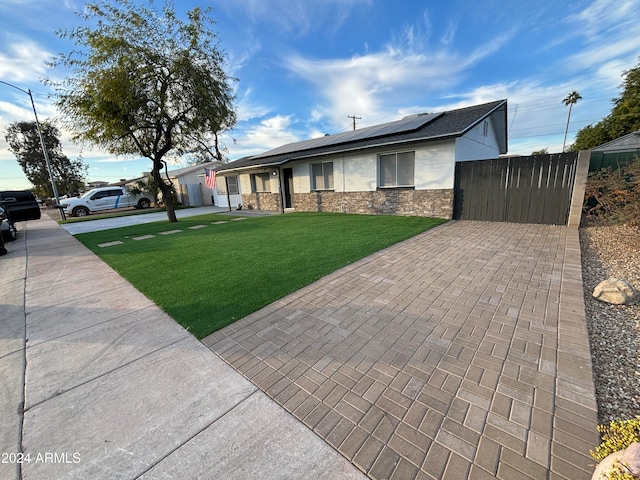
[616, 436]
[613, 196]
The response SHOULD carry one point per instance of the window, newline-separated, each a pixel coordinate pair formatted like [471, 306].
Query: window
[396, 169]
[322, 176]
[233, 185]
[105, 194]
[260, 182]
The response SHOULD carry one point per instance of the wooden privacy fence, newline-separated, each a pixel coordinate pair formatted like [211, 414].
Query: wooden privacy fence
[534, 189]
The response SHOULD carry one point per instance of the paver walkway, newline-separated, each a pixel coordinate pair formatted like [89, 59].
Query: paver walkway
[460, 353]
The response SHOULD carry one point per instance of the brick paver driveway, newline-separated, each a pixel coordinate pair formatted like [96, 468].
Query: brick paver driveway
[460, 353]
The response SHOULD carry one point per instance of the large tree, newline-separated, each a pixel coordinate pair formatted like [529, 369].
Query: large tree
[24, 142]
[145, 82]
[623, 119]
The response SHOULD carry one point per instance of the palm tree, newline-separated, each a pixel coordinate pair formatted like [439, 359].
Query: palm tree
[570, 100]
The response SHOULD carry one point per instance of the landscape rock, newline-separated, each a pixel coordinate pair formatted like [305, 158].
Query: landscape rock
[615, 291]
[627, 460]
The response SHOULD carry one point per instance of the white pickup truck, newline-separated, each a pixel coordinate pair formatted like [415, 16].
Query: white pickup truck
[104, 198]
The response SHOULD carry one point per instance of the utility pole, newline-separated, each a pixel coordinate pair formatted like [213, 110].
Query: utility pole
[354, 120]
[44, 148]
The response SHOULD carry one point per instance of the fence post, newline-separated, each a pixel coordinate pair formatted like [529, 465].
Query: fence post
[579, 184]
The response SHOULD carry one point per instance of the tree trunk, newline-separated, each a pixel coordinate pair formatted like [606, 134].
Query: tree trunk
[566, 130]
[167, 198]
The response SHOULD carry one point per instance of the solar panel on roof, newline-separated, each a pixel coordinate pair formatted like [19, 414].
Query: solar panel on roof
[410, 123]
[407, 124]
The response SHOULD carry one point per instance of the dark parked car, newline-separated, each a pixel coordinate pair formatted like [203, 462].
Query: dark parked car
[17, 206]
[8, 230]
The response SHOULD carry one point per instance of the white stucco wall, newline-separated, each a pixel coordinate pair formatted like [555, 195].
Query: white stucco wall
[220, 194]
[358, 172]
[474, 145]
[181, 183]
[435, 166]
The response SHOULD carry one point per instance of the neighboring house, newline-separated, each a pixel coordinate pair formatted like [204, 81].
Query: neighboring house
[404, 167]
[128, 183]
[190, 184]
[96, 184]
[616, 153]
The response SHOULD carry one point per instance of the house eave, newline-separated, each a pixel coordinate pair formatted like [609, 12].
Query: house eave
[338, 152]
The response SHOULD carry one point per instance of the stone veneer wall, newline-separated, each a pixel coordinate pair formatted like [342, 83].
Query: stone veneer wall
[423, 203]
[261, 201]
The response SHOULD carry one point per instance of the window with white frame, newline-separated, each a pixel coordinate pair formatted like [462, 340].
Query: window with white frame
[322, 176]
[260, 182]
[233, 185]
[221, 186]
[396, 169]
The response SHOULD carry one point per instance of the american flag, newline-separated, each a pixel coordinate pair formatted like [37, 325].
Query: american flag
[210, 178]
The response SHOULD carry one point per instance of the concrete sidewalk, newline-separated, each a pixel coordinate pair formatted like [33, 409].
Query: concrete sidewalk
[75, 228]
[97, 382]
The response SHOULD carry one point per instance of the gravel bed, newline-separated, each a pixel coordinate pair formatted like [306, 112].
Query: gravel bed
[614, 330]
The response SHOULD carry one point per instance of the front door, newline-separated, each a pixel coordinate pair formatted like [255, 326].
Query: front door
[288, 187]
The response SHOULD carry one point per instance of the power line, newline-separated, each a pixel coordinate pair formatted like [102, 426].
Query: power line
[354, 120]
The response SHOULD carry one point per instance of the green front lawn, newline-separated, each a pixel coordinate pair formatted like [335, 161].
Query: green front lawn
[209, 277]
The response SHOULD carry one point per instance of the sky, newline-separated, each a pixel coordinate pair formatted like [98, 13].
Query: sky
[305, 66]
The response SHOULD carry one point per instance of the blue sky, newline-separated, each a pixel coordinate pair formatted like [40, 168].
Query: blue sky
[304, 66]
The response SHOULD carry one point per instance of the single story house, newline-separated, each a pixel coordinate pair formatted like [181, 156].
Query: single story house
[190, 185]
[405, 167]
[618, 152]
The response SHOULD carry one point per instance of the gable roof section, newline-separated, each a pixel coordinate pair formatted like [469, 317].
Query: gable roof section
[180, 172]
[628, 142]
[424, 127]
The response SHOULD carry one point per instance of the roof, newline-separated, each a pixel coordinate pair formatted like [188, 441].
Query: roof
[419, 127]
[121, 183]
[179, 172]
[626, 143]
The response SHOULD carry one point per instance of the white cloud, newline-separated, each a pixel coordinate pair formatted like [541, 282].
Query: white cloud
[23, 61]
[238, 61]
[269, 133]
[367, 85]
[605, 15]
[449, 34]
[607, 52]
[248, 109]
[296, 17]
[610, 73]
[112, 159]
[15, 111]
[607, 27]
